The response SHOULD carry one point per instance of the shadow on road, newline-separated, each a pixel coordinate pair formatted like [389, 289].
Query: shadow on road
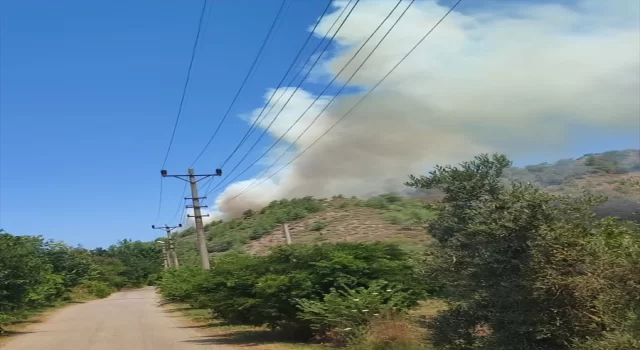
[245, 338]
[178, 309]
[9, 334]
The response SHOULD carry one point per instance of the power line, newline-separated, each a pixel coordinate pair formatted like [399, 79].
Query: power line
[180, 204]
[255, 122]
[318, 95]
[182, 98]
[318, 56]
[326, 88]
[186, 82]
[244, 82]
[356, 104]
[159, 201]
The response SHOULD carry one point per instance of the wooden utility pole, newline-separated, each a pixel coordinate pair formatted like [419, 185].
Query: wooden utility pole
[164, 255]
[171, 243]
[287, 235]
[193, 179]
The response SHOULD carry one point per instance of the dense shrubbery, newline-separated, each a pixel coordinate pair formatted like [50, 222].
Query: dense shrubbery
[280, 290]
[35, 273]
[525, 269]
[183, 285]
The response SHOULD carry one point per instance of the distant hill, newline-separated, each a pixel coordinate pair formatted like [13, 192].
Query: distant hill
[615, 174]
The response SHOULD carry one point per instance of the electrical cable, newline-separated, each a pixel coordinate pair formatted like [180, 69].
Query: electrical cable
[244, 82]
[182, 99]
[181, 203]
[291, 66]
[314, 53]
[317, 97]
[248, 188]
[186, 82]
[159, 201]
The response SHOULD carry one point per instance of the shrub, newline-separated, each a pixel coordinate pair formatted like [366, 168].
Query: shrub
[318, 226]
[182, 285]
[349, 311]
[263, 290]
[92, 289]
[395, 218]
[376, 203]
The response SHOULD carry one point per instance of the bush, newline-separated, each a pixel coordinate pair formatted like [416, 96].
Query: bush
[318, 226]
[349, 311]
[395, 218]
[262, 290]
[390, 331]
[182, 285]
[92, 289]
[376, 203]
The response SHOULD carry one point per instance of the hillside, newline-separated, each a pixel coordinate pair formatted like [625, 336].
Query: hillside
[615, 174]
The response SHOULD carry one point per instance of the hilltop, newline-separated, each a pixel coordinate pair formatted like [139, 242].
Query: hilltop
[391, 217]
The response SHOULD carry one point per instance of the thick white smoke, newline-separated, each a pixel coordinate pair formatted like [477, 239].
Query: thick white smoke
[514, 77]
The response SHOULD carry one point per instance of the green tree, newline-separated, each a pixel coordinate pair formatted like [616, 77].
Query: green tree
[141, 260]
[22, 270]
[72, 264]
[526, 269]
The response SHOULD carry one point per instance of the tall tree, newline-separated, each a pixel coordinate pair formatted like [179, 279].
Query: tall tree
[526, 269]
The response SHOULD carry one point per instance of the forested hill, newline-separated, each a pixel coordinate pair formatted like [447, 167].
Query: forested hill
[394, 218]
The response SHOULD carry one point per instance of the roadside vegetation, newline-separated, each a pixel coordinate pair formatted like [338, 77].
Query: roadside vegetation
[504, 259]
[36, 274]
[511, 265]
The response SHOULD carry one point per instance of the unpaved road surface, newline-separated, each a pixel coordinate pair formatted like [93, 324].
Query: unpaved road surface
[129, 320]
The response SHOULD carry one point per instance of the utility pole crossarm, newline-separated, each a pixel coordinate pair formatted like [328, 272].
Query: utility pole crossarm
[193, 180]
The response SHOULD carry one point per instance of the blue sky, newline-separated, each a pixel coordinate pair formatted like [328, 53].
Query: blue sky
[88, 96]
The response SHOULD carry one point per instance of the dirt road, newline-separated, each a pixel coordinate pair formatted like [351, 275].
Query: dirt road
[128, 320]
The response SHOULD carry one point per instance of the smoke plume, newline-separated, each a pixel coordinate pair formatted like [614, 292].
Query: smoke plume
[514, 77]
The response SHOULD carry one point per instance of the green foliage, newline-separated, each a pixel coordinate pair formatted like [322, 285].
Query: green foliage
[609, 162]
[141, 260]
[400, 210]
[182, 285]
[89, 289]
[526, 269]
[35, 273]
[349, 311]
[22, 271]
[318, 226]
[376, 203]
[264, 290]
